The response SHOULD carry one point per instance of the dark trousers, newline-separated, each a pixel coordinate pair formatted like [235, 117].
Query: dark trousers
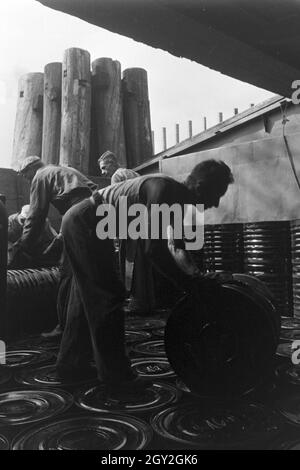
[95, 318]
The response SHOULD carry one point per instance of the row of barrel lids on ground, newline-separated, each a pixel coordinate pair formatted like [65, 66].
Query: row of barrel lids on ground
[37, 410]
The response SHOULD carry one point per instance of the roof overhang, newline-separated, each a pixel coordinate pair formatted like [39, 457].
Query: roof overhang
[256, 41]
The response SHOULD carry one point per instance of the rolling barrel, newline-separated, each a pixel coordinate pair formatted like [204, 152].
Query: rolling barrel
[222, 337]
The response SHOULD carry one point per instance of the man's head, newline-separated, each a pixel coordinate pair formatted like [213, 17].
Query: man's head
[29, 167]
[108, 164]
[23, 214]
[209, 181]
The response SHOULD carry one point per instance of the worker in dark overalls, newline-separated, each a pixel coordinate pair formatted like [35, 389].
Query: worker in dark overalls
[62, 187]
[136, 272]
[98, 322]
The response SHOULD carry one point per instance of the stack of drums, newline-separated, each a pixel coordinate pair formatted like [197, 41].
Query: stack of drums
[295, 239]
[267, 255]
[31, 301]
[223, 248]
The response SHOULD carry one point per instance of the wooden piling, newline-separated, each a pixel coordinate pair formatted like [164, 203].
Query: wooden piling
[236, 111]
[76, 110]
[108, 110]
[137, 120]
[190, 129]
[220, 117]
[52, 113]
[164, 138]
[29, 119]
[177, 133]
[153, 141]
[205, 123]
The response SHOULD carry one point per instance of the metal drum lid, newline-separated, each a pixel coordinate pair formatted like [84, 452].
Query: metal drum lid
[290, 335]
[4, 444]
[5, 375]
[290, 323]
[25, 358]
[39, 343]
[133, 324]
[28, 406]
[160, 333]
[289, 408]
[198, 426]
[153, 368]
[291, 374]
[157, 395]
[107, 432]
[151, 348]
[47, 377]
[285, 350]
[136, 336]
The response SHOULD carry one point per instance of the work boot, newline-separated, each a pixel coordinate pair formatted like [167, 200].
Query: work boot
[56, 333]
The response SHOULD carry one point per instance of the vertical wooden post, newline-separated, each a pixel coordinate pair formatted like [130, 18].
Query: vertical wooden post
[190, 129]
[52, 113]
[107, 109]
[236, 111]
[177, 134]
[76, 110]
[29, 118]
[153, 141]
[137, 120]
[164, 138]
[205, 123]
[220, 117]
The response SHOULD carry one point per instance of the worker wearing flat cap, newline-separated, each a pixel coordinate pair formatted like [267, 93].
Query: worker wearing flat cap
[109, 167]
[62, 187]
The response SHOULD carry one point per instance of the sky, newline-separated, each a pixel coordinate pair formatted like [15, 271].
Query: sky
[180, 90]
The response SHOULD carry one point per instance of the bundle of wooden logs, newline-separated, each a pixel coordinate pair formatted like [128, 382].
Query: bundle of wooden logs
[75, 111]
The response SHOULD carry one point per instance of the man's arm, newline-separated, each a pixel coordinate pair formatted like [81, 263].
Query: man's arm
[168, 255]
[40, 195]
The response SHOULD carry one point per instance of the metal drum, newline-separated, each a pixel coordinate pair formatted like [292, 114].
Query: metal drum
[158, 395]
[136, 336]
[38, 343]
[290, 323]
[295, 240]
[267, 255]
[26, 358]
[222, 338]
[223, 248]
[45, 377]
[107, 432]
[29, 406]
[137, 323]
[153, 368]
[31, 301]
[194, 425]
[150, 348]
